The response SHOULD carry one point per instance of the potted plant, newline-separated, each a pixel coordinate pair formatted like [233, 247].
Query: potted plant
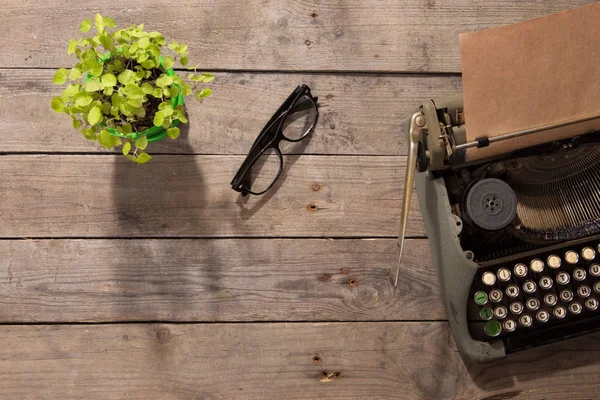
[123, 90]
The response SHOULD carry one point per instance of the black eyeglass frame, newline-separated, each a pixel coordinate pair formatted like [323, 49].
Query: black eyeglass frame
[270, 137]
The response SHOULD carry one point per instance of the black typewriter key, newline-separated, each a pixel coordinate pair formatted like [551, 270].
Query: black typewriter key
[526, 320]
[588, 253]
[486, 313]
[509, 325]
[584, 291]
[597, 287]
[481, 298]
[488, 278]
[520, 270]
[492, 328]
[566, 295]
[516, 308]
[495, 295]
[542, 316]
[554, 261]
[591, 304]
[512, 291]
[579, 274]
[563, 278]
[571, 257]
[504, 274]
[500, 312]
[532, 304]
[550, 299]
[529, 287]
[595, 270]
[575, 308]
[546, 282]
[537, 265]
[559, 312]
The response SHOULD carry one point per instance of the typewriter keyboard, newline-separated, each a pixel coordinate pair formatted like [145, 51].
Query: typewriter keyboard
[537, 292]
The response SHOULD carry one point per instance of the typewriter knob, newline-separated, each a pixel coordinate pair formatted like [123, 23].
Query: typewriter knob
[491, 204]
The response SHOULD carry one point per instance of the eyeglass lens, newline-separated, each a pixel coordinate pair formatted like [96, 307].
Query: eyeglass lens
[300, 119]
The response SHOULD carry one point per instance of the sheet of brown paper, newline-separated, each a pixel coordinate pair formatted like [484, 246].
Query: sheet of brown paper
[531, 74]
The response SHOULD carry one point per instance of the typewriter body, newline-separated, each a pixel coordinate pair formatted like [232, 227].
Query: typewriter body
[515, 238]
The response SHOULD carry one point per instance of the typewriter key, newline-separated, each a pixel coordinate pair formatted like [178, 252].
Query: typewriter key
[550, 299]
[488, 278]
[575, 308]
[529, 287]
[579, 274]
[584, 291]
[486, 313]
[492, 328]
[595, 270]
[554, 261]
[504, 274]
[563, 278]
[559, 312]
[532, 303]
[495, 295]
[571, 257]
[588, 253]
[566, 295]
[520, 270]
[481, 298]
[500, 312]
[512, 291]
[537, 265]
[545, 282]
[516, 308]
[509, 325]
[591, 304]
[542, 316]
[597, 287]
[526, 320]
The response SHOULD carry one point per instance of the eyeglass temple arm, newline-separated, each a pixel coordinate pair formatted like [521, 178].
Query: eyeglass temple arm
[413, 141]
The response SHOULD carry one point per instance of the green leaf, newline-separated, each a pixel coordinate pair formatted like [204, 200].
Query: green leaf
[184, 60]
[167, 111]
[174, 91]
[107, 140]
[93, 86]
[203, 93]
[168, 63]
[164, 80]
[126, 148]
[76, 123]
[143, 158]
[173, 45]
[108, 80]
[127, 128]
[157, 92]
[72, 46]
[108, 91]
[60, 76]
[126, 76]
[186, 89]
[135, 103]
[182, 49]
[105, 108]
[147, 88]
[97, 70]
[58, 105]
[133, 91]
[84, 100]
[94, 116]
[207, 78]
[131, 158]
[88, 133]
[144, 42]
[173, 133]
[148, 64]
[85, 25]
[159, 117]
[109, 22]
[153, 35]
[141, 143]
[99, 23]
[74, 74]
[107, 41]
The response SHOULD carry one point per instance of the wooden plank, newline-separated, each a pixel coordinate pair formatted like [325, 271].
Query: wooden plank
[215, 280]
[277, 361]
[358, 114]
[350, 35]
[190, 196]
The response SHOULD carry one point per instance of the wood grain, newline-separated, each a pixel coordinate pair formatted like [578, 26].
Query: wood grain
[276, 361]
[358, 114]
[190, 196]
[215, 280]
[346, 35]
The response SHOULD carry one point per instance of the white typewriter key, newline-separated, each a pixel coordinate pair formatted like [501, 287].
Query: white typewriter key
[526, 320]
[554, 261]
[545, 282]
[537, 265]
[588, 253]
[542, 316]
[591, 304]
[575, 308]
[579, 274]
[504, 274]
[532, 303]
[597, 287]
[529, 287]
[563, 278]
[550, 299]
[595, 270]
[512, 291]
[559, 312]
[584, 291]
[571, 257]
[495, 295]
[516, 308]
[488, 278]
[566, 295]
[520, 270]
[509, 325]
[500, 312]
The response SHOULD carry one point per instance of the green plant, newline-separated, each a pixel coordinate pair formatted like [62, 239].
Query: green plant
[123, 90]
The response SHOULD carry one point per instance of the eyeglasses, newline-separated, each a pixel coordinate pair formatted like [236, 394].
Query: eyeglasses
[293, 121]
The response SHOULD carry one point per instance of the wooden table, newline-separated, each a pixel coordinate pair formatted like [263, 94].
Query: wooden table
[158, 282]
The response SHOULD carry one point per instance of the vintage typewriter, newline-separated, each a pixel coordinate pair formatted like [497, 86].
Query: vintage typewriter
[515, 237]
